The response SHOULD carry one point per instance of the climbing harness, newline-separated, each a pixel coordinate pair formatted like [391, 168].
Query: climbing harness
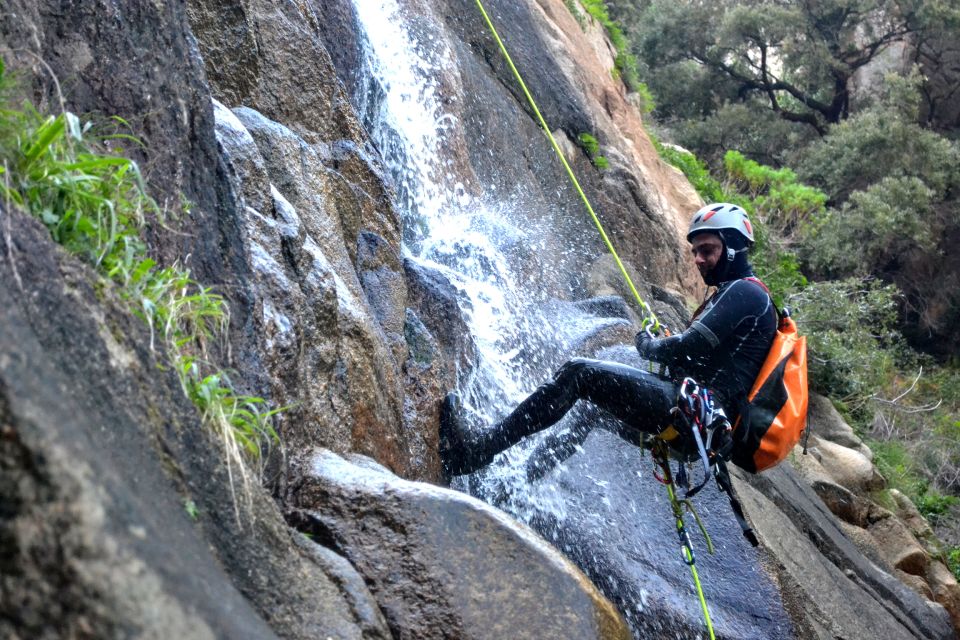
[650, 324]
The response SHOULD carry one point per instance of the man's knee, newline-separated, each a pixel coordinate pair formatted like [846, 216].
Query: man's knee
[572, 370]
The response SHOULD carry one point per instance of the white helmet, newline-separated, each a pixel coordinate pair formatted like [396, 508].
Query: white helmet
[721, 215]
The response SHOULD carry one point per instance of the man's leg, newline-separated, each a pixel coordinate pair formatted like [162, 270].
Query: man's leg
[638, 398]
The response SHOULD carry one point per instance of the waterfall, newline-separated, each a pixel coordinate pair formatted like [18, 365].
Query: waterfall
[450, 222]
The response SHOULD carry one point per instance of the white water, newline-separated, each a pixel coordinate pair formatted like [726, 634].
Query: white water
[450, 224]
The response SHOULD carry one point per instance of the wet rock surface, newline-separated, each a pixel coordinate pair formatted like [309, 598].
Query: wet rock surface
[291, 218]
[458, 567]
[100, 453]
[603, 508]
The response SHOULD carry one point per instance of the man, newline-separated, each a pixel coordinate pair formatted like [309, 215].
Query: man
[723, 349]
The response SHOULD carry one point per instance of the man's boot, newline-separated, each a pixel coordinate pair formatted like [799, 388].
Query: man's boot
[462, 450]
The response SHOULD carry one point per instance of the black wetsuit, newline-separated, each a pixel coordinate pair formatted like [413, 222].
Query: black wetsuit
[723, 349]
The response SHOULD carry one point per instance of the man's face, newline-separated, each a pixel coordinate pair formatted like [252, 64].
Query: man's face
[707, 249]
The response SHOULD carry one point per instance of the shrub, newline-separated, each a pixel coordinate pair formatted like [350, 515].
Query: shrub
[851, 336]
[777, 196]
[885, 222]
[953, 561]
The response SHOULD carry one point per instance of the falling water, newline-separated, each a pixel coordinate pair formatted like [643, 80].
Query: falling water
[450, 223]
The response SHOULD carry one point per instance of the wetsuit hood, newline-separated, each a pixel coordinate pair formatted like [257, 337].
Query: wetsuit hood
[733, 264]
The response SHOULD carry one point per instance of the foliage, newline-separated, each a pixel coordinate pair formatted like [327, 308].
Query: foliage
[881, 141]
[625, 63]
[851, 335]
[796, 60]
[696, 172]
[953, 561]
[776, 194]
[591, 147]
[94, 203]
[885, 222]
[190, 507]
[759, 134]
[589, 144]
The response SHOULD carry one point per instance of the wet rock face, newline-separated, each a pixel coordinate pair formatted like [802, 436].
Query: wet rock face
[497, 147]
[268, 56]
[99, 453]
[458, 568]
[640, 201]
[331, 303]
[323, 239]
[138, 60]
[595, 498]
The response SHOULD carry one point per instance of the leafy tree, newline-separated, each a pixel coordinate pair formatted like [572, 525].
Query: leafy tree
[798, 58]
[883, 140]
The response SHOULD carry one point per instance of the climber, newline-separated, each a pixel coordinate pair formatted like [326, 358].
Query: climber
[723, 349]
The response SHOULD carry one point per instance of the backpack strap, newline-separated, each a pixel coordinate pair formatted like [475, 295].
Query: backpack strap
[759, 282]
[723, 481]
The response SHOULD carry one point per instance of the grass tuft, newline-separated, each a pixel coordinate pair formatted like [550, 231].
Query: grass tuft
[94, 202]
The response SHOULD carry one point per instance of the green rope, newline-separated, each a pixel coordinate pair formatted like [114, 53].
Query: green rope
[660, 454]
[650, 319]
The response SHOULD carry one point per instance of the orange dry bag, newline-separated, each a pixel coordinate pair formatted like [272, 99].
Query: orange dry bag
[774, 415]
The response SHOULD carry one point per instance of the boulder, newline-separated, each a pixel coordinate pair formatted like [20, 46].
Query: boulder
[945, 589]
[441, 564]
[831, 589]
[897, 544]
[847, 467]
[917, 583]
[908, 513]
[826, 423]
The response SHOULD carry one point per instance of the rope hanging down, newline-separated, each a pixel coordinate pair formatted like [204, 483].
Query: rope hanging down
[650, 319]
[650, 322]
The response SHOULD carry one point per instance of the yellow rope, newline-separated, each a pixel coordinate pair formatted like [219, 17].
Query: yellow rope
[650, 318]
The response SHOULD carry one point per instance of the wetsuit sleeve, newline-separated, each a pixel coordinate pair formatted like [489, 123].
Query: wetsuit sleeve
[674, 350]
[741, 301]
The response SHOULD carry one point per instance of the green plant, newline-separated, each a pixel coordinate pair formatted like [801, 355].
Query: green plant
[591, 147]
[191, 508]
[589, 144]
[777, 196]
[953, 561]
[95, 204]
[625, 63]
[851, 336]
[934, 505]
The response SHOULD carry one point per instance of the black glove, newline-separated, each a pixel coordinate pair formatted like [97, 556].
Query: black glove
[643, 342]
